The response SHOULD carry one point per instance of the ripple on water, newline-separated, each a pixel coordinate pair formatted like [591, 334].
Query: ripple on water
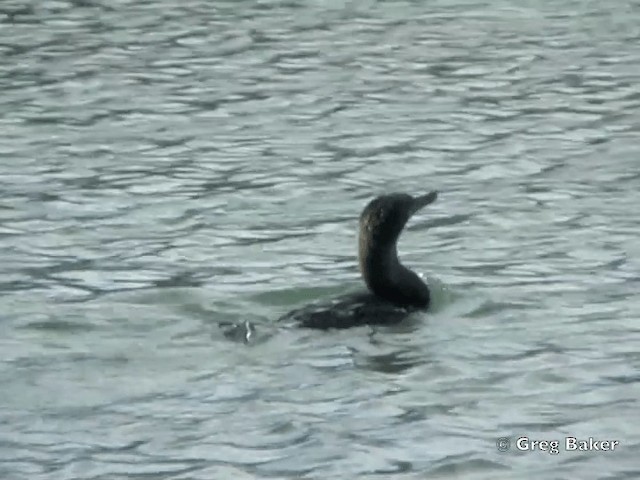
[172, 165]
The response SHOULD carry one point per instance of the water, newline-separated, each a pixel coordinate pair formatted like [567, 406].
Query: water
[168, 165]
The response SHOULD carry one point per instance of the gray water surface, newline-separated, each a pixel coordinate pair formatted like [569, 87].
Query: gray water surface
[168, 165]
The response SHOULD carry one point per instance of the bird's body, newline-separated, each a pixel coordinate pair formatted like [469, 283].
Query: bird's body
[394, 290]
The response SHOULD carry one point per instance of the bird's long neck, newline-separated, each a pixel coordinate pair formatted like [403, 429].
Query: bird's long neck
[387, 278]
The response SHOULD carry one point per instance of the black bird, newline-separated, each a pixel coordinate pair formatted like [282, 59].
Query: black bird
[394, 290]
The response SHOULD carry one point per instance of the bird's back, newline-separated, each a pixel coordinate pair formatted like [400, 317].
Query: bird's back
[347, 311]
